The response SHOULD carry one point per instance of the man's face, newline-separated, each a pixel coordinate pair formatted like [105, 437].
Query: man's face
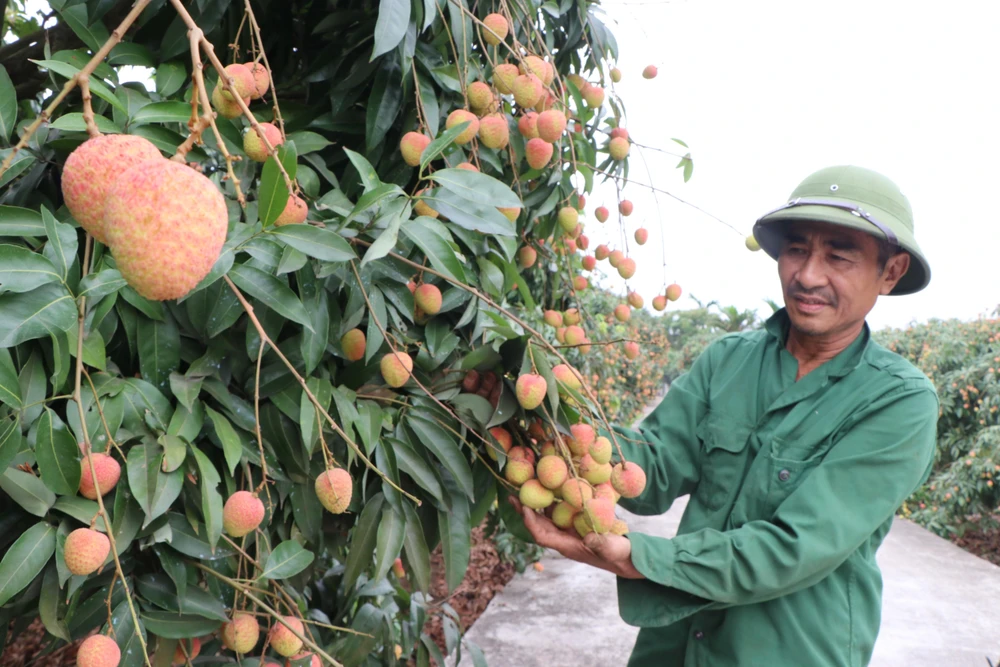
[830, 276]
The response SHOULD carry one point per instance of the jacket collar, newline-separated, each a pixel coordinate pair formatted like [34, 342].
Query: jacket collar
[846, 361]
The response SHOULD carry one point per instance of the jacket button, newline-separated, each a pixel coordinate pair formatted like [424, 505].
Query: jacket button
[699, 634]
[784, 475]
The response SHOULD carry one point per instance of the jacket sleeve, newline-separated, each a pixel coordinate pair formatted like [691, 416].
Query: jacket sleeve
[666, 445]
[875, 465]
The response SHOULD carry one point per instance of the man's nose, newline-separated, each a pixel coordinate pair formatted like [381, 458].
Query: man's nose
[812, 272]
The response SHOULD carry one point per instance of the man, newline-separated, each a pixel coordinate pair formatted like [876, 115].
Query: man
[797, 444]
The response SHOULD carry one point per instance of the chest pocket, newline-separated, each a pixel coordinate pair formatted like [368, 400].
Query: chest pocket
[788, 467]
[724, 443]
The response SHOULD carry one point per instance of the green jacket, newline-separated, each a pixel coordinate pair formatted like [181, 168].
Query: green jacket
[793, 488]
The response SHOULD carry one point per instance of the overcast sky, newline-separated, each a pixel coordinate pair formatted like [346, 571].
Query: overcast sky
[767, 92]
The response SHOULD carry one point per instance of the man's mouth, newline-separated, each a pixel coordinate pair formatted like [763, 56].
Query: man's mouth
[810, 305]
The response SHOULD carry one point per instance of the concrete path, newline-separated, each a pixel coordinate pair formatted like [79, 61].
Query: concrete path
[941, 607]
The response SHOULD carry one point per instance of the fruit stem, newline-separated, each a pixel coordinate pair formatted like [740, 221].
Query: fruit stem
[267, 66]
[256, 417]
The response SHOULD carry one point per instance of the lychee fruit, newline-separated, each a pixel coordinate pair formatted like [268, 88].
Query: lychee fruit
[353, 344]
[260, 79]
[241, 633]
[225, 105]
[518, 471]
[526, 257]
[166, 224]
[593, 95]
[551, 125]
[540, 68]
[528, 89]
[563, 513]
[571, 316]
[605, 490]
[561, 335]
[618, 148]
[459, 116]
[553, 318]
[659, 302]
[619, 527]
[503, 78]
[601, 213]
[576, 492]
[618, 132]
[494, 131]
[255, 148]
[568, 218]
[622, 312]
[625, 207]
[314, 660]
[91, 170]
[282, 639]
[635, 299]
[589, 263]
[615, 258]
[471, 382]
[535, 496]
[594, 472]
[334, 488]
[467, 166]
[600, 449]
[108, 471]
[581, 525]
[242, 79]
[192, 647]
[397, 568]
[631, 350]
[649, 72]
[421, 207]
[600, 513]
[567, 377]
[673, 292]
[428, 298]
[583, 241]
[547, 449]
[522, 454]
[85, 550]
[502, 436]
[601, 252]
[98, 651]
[481, 98]
[641, 235]
[626, 269]
[527, 125]
[242, 513]
[295, 212]
[530, 390]
[616, 74]
[575, 335]
[412, 147]
[628, 479]
[497, 29]
[538, 152]
[582, 438]
[552, 472]
[396, 368]
[751, 243]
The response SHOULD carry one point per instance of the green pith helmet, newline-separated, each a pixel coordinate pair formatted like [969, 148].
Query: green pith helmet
[852, 197]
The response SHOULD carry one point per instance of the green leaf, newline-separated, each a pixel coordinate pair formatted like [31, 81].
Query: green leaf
[386, 241]
[359, 555]
[27, 491]
[163, 112]
[74, 122]
[44, 311]
[308, 142]
[443, 445]
[416, 467]
[169, 79]
[58, 455]
[62, 244]
[231, 446]
[417, 553]
[10, 390]
[17, 221]
[319, 242]
[102, 283]
[211, 499]
[270, 291]
[126, 635]
[174, 451]
[130, 53]
[476, 187]
[186, 389]
[81, 509]
[8, 105]
[369, 177]
[49, 602]
[92, 34]
[25, 559]
[393, 18]
[455, 541]
[374, 197]
[474, 216]
[688, 165]
[174, 626]
[385, 99]
[159, 351]
[391, 532]
[438, 146]
[287, 560]
[10, 440]
[96, 87]
[433, 238]
[272, 195]
[190, 543]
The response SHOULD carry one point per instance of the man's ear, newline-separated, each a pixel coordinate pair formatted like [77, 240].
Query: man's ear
[895, 268]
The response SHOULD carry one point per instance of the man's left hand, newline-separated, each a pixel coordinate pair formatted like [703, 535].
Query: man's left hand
[607, 551]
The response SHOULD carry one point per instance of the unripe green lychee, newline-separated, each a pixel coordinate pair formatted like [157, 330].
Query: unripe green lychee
[535, 496]
[563, 513]
[481, 98]
[314, 660]
[673, 292]
[428, 297]
[295, 212]
[241, 514]
[255, 148]
[553, 318]
[626, 268]
[594, 472]
[166, 224]
[589, 263]
[85, 550]
[593, 95]
[635, 299]
[600, 449]
[641, 235]
[600, 513]
[459, 116]
[615, 258]
[98, 651]
[496, 28]
[622, 312]
[530, 390]
[605, 490]
[625, 207]
[575, 335]
[649, 72]
[187, 649]
[581, 525]
[659, 302]
[242, 79]
[396, 368]
[494, 131]
[567, 377]
[260, 79]
[628, 479]
[518, 471]
[552, 472]
[571, 316]
[601, 252]
[528, 89]
[510, 212]
[526, 257]
[537, 152]
[282, 639]
[751, 243]
[334, 488]
[619, 527]
[551, 125]
[241, 633]
[568, 218]
[412, 146]
[503, 78]
[91, 170]
[527, 125]
[226, 106]
[576, 492]
[353, 344]
[108, 472]
[616, 74]
[502, 436]
[618, 148]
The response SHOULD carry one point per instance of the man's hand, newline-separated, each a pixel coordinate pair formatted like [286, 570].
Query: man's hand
[608, 551]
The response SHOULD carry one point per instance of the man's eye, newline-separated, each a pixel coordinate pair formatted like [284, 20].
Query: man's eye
[838, 258]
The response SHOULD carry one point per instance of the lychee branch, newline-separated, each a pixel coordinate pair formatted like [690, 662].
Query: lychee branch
[267, 66]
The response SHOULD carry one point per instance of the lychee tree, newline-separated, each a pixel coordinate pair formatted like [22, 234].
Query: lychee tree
[271, 319]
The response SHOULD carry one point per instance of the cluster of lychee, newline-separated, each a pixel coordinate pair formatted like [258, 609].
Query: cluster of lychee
[87, 549]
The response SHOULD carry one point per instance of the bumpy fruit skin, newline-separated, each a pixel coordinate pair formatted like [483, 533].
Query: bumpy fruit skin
[528, 90]
[605, 490]
[242, 514]
[618, 132]
[631, 350]
[673, 292]
[625, 207]
[334, 489]
[108, 472]
[576, 492]
[527, 125]
[98, 651]
[421, 207]
[530, 390]
[243, 82]
[396, 368]
[552, 472]
[622, 312]
[626, 269]
[659, 302]
[498, 28]
[628, 479]
[600, 513]
[468, 166]
[459, 116]
[526, 257]
[283, 641]
[563, 514]
[295, 212]
[594, 472]
[641, 235]
[522, 454]
[226, 105]
[583, 438]
[593, 96]
[649, 72]
[353, 344]
[494, 131]
[618, 148]
[553, 318]
[241, 633]
[428, 298]
[575, 335]
[85, 550]
[314, 660]
[619, 527]
[537, 66]
[518, 471]
[92, 169]
[166, 224]
[751, 243]
[481, 98]
[502, 436]
[538, 152]
[503, 78]
[260, 79]
[255, 148]
[567, 377]
[551, 125]
[535, 496]
[615, 258]
[412, 146]
[193, 647]
[600, 450]
[601, 213]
